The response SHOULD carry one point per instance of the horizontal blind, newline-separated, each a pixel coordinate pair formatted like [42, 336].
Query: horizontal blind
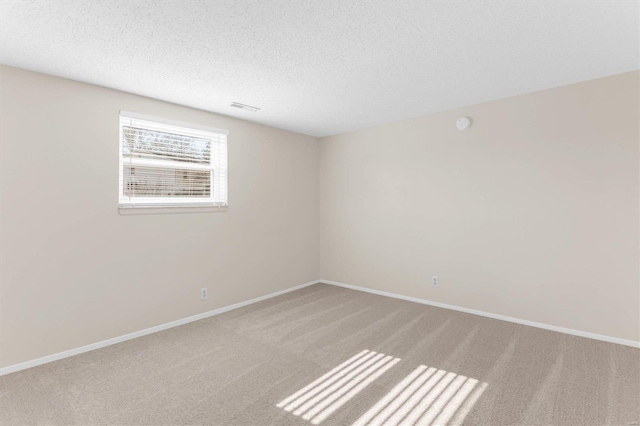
[165, 163]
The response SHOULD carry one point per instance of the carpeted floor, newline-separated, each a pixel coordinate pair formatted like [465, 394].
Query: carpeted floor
[332, 356]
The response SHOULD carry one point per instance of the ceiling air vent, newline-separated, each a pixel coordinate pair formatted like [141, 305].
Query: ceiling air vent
[243, 106]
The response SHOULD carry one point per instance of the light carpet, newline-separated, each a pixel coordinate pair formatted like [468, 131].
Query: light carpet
[331, 356]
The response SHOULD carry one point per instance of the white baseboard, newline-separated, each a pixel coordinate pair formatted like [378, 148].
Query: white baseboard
[595, 336]
[124, 338]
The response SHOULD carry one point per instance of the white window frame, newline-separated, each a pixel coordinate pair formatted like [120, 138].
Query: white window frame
[218, 200]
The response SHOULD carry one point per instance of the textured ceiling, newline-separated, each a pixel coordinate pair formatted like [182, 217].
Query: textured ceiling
[322, 67]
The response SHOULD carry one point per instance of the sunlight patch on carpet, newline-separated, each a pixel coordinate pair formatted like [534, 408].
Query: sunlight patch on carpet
[319, 399]
[427, 396]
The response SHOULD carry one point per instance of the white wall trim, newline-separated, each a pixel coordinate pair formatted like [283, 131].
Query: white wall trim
[135, 334]
[571, 331]
[87, 348]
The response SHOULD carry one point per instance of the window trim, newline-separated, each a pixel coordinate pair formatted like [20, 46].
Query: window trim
[128, 211]
[162, 120]
[176, 205]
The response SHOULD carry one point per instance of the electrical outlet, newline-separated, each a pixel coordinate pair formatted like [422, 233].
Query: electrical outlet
[435, 281]
[204, 294]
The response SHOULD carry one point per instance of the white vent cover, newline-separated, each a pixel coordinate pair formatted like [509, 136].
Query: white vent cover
[243, 106]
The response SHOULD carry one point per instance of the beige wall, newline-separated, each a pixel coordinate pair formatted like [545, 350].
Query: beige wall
[532, 213]
[73, 271]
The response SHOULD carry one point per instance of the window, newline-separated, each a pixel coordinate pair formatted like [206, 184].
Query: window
[171, 164]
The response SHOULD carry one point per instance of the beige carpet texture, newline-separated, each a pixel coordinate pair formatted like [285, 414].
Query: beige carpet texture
[332, 356]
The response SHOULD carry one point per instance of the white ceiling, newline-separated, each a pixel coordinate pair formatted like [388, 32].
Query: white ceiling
[322, 67]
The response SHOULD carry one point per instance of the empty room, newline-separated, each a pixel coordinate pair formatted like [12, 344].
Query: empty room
[319, 212]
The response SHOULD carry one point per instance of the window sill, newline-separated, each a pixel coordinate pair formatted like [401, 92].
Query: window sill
[128, 211]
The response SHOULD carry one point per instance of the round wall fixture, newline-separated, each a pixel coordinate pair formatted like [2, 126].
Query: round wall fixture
[463, 123]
